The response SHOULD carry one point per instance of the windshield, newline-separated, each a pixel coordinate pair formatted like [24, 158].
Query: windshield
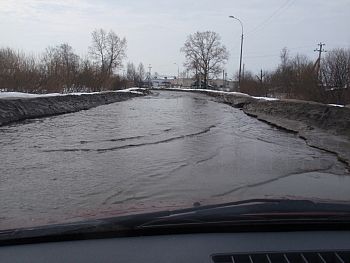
[114, 108]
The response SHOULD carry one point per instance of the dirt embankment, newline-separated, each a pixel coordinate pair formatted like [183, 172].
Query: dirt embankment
[17, 109]
[322, 126]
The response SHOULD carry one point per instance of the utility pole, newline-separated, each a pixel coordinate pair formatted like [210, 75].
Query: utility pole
[261, 80]
[178, 74]
[240, 63]
[320, 50]
[243, 76]
[241, 54]
[149, 75]
[223, 79]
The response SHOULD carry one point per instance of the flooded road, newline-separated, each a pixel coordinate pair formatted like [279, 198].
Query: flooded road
[168, 149]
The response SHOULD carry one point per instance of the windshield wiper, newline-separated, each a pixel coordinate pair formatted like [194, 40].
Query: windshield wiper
[254, 212]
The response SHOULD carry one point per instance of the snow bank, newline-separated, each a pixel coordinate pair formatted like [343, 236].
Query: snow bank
[31, 95]
[329, 117]
[265, 98]
[336, 105]
[15, 106]
[219, 92]
[25, 95]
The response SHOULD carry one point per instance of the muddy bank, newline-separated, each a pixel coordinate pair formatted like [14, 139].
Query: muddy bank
[322, 126]
[17, 109]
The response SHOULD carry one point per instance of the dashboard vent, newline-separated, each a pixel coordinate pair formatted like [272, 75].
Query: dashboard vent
[290, 257]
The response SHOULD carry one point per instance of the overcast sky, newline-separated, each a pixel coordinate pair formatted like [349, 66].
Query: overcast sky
[156, 29]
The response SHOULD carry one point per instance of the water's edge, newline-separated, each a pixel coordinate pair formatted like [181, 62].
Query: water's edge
[19, 109]
[322, 126]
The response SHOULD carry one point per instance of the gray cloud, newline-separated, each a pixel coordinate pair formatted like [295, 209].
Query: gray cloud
[157, 29]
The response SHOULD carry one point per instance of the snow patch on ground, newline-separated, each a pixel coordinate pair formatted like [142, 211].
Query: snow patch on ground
[25, 95]
[30, 95]
[265, 98]
[132, 90]
[221, 92]
[227, 93]
[212, 91]
[336, 105]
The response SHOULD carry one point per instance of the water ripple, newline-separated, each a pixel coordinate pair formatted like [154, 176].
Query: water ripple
[128, 146]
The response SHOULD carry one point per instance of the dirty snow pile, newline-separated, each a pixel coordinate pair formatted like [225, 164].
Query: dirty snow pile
[30, 95]
[226, 93]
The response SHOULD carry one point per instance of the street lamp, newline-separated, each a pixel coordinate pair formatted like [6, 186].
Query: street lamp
[240, 59]
[178, 73]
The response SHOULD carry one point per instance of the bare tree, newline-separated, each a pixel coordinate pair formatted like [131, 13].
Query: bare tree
[336, 68]
[70, 63]
[18, 71]
[131, 73]
[295, 78]
[284, 72]
[60, 66]
[284, 55]
[135, 76]
[87, 79]
[335, 72]
[59, 69]
[108, 50]
[205, 54]
[141, 72]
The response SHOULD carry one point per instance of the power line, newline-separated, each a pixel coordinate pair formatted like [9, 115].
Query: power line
[300, 47]
[263, 56]
[264, 22]
[259, 55]
[278, 11]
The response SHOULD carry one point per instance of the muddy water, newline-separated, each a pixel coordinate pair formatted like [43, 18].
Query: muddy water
[168, 149]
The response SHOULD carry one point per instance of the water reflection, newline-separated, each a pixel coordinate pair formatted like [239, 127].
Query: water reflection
[172, 148]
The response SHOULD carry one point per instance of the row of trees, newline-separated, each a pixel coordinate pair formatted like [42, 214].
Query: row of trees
[59, 69]
[295, 77]
[298, 77]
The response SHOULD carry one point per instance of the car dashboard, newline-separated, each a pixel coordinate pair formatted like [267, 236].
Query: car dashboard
[302, 246]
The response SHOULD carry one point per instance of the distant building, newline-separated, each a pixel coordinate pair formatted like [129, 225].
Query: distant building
[172, 81]
[217, 84]
[224, 85]
[162, 81]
